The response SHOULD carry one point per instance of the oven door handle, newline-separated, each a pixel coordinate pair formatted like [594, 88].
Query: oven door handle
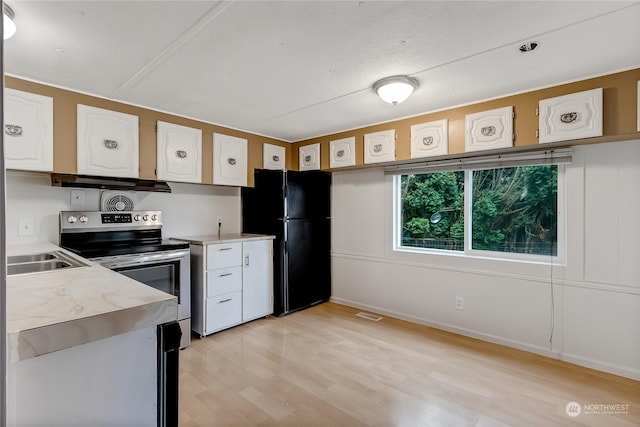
[132, 260]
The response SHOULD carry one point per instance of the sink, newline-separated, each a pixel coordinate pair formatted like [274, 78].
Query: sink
[35, 267]
[38, 263]
[18, 259]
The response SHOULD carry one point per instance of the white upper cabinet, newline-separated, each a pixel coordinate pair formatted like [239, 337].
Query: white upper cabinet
[573, 116]
[107, 143]
[229, 160]
[309, 157]
[430, 139]
[179, 153]
[380, 146]
[342, 152]
[488, 130]
[273, 157]
[28, 131]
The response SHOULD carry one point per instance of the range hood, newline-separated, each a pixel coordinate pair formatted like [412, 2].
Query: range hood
[105, 183]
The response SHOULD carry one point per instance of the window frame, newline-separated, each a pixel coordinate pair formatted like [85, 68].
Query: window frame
[468, 252]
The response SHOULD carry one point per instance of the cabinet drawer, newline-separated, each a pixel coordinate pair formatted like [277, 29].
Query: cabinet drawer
[224, 311]
[224, 255]
[223, 281]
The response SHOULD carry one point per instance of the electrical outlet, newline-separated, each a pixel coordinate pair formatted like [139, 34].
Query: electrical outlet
[25, 227]
[459, 304]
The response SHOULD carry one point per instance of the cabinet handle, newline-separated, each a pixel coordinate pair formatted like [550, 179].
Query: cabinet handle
[181, 154]
[340, 154]
[246, 261]
[276, 158]
[307, 159]
[111, 144]
[224, 300]
[225, 274]
[13, 130]
[427, 140]
[377, 148]
[231, 161]
[488, 130]
[569, 117]
[225, 249]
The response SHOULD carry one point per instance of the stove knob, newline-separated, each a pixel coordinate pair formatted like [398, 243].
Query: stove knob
[154, 217]
[72, 219]
[84, 219]
[145, 218]
[137, 218]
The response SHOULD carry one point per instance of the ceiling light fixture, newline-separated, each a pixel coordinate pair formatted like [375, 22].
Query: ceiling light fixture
[395, 89]
[8, 24]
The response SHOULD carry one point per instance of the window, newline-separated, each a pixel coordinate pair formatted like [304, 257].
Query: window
[496, 212]
[432, 210]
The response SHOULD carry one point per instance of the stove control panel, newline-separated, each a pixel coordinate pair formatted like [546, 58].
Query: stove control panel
[84, 220]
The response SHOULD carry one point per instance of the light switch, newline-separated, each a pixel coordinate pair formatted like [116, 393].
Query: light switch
[25, 227]
[77, 198]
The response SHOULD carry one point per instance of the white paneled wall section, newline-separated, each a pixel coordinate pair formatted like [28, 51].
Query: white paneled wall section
[586, 312]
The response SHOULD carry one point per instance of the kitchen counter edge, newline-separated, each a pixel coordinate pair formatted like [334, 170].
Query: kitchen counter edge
[48, 312]
[209, 239]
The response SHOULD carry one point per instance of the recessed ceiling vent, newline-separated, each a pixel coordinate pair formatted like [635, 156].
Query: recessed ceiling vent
[528, 47]
[117, 201]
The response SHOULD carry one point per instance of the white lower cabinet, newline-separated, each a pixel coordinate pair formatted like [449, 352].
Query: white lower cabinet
[232, 282]
[257, 279]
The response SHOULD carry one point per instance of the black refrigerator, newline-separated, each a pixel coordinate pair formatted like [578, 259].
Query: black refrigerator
[296, 208]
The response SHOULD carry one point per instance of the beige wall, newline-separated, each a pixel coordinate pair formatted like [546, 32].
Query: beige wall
[620, 118]
[65, 131]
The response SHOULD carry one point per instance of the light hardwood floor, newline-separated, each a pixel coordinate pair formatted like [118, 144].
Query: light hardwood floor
[326, 367]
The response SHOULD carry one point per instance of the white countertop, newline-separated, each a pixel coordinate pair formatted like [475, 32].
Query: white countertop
[51, 311]
[207, 239]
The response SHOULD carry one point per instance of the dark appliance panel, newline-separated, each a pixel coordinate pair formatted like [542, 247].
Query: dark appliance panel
[307, 253]
[308, 194]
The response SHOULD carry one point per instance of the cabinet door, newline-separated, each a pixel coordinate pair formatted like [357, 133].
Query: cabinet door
[273, 157]
[28, 131]
[107, 143]
[380, 146]
[342, 152]
[179, 153]
[229, 160]
[573, 116]
[257, 279]
[488, 130]
[309, 157]
[430, 139]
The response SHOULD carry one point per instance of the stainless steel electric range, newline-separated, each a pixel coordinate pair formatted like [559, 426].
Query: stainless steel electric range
[131, 243]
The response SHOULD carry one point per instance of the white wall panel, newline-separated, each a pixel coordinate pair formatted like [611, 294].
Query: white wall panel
[596, 306]
[358, 204]
[612, 212]
[499, 309]
[601, 329]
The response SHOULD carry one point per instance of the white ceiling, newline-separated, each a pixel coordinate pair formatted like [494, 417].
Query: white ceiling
[294, 70]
